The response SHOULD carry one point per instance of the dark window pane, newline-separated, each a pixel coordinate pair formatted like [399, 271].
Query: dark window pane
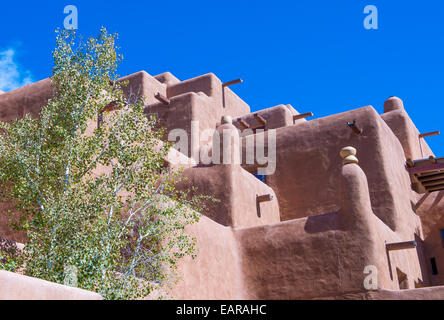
[261, 177]
[434, 266]
[442, 237]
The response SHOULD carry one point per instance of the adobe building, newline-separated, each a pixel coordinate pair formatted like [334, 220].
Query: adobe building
[346, 197]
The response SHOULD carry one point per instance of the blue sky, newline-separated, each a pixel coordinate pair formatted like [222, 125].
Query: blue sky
[315, 55]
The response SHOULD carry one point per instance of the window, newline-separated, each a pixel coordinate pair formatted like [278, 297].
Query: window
[261, 177]
[434, 266]
[442, 237]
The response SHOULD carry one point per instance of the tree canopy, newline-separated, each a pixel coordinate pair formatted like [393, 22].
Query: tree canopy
[97, 202]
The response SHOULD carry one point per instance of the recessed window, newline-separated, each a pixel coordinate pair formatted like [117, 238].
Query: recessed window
[442, 237]
[434, 266]
[261, 177]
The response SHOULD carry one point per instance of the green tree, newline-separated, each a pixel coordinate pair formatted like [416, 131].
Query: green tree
[95, 200]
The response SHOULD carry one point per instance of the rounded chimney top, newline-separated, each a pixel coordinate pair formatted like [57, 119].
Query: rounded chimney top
[393, 103]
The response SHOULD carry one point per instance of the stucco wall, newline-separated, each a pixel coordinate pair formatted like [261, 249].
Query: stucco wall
[236, 190]
[276, 117]
[142, 84]
[215, 273]
[29, 99]
[306, 177]
[405, 130]
[18, 287]
[431, 210]
[317, 256]
[432, 215]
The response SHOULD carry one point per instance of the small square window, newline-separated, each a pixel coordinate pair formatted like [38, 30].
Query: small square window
[261, 177]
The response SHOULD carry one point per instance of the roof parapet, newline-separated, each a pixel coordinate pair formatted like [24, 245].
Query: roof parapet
[393, 103]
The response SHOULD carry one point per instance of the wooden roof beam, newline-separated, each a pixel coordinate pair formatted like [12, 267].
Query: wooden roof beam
[356, 129]
[401, 245]
[260, 119]
[302, 116]
[162, 99]
[243, 123]
[426, 168]
[264, 198]
[230, 83]
[433, 183]
[435, 188]
[429, 134]
[431, 178]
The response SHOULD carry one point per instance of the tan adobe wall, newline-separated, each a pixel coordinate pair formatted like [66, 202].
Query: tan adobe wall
[405, 130]
[276, 117]
[29, 99]
[215, 273]
[236, 189]
[318, 256]
[325, 223]
[306, 178]
[18, 287]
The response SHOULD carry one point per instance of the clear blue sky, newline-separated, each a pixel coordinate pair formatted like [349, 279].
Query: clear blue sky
[315, 55]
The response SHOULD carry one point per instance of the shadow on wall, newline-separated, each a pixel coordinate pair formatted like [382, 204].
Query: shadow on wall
[322, 223]
[438, 199]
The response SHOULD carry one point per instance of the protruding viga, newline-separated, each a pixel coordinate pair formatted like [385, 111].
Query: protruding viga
[313, 240]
